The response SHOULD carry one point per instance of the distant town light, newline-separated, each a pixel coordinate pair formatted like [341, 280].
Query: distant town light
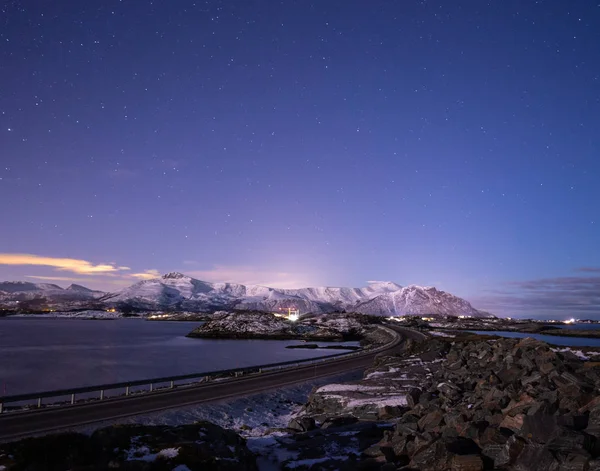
[570, 321]
[293, 314]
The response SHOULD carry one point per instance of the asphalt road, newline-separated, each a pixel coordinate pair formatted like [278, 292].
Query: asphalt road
[20, 424]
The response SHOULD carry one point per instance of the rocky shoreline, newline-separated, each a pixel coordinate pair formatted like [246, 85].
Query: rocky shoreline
[511, 404]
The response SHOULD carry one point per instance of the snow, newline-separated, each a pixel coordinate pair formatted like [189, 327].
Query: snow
[256, 418]
[380, 401]
[441, 334]
[176, 289]
[139, 452]
[313, 461]
[377, 374]
[168, 453]
[181, 467]
[348, 387]
[578, 353]
[417, 300]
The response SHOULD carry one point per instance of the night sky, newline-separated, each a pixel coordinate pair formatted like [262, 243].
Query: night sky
[296, 143]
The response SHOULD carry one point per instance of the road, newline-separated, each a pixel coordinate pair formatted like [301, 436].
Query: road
[19, 424]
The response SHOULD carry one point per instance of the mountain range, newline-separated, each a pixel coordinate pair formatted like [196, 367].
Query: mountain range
[175, 291]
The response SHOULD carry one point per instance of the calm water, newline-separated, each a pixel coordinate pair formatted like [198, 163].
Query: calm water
[579, 326]
[553, 339]
[46, 354]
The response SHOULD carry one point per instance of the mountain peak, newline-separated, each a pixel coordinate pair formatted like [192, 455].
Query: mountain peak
[384, 285]
[174, 275]
[75, 287]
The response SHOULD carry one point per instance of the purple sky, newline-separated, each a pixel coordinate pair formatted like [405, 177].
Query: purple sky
[292, 143]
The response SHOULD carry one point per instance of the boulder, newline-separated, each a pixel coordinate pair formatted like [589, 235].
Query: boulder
[534, 457]
[466, 463]
[341, 421]
[431, 420]
[302, 424]
[509, 452]
[513, 423]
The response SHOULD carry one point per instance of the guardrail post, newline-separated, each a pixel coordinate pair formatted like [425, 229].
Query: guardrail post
[73, 398]
[172, 384]
[101, 394]
[39, 402]
[1, 407]
[260, 370]
[127, 390]
[151, 388]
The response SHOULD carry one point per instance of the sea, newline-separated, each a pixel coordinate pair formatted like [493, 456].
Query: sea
[553, 339]
[39, 355]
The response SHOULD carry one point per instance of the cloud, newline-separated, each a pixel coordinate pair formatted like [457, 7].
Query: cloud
[250, 276]
[82, 267]
[146, 275]
[565, 296]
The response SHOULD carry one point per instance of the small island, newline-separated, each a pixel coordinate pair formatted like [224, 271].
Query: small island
[261, 325]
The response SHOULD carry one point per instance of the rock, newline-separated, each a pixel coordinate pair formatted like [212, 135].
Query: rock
[509, 453]
[517, 403]
[513, 423]
[399, 444]
[539, 428]
[531, 379]
[466, 463]
[390, 412]
[334, 422]
[413, 396]
[520, 406]
[566, 441]
[534, 457]
[509, 375]
[433, 457]
[302, 424]
[575, 462]
[198, 446]
[449, 390]
[431, 420]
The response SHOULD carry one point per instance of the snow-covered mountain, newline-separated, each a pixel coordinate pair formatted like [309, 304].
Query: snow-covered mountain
[416, 300]
[23, 293]
[176, 291]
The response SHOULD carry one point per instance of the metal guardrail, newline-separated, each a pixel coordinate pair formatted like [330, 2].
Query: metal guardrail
[101, 389]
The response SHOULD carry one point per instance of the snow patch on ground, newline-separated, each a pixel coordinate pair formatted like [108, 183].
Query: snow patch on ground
[168, 453]
[313, 461]
[255, 418]
[441, 334]
[378, 374]
[578, 353]
[381, 401]
[348, 387]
